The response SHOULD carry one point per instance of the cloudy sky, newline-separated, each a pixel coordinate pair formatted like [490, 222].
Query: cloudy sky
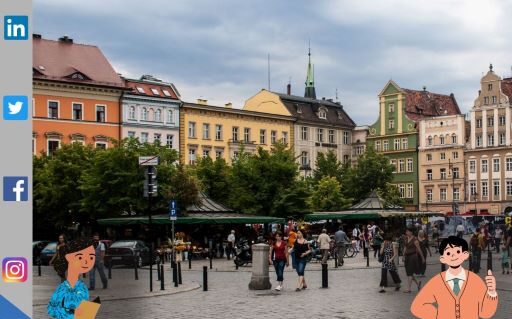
[218, 49]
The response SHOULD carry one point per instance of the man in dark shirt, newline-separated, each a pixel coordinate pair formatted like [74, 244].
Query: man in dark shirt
[341, 239]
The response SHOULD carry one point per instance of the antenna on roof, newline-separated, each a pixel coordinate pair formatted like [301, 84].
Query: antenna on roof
[336, 94]
[268, 64]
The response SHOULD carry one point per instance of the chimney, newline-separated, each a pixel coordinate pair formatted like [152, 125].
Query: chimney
[289, 89]
[65, 39]
[479, 92]
[424, 88]
[202, 102]
[36, 36]
[228, 105]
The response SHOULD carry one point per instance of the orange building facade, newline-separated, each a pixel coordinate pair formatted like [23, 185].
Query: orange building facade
[76, 96]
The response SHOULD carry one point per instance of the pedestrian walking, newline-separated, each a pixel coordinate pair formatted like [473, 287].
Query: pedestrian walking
[377, 242]
[388, 254]
[435, 236]
[341, 240]
[301, 249]
[231, 244]
[425, 247]
[476, 251]
[498, 234]
[99, 249]
[460, 230]
[356, 233]
[412, 258]
[278, 256]
[505, 260]
[365, 238]
[323, 241]
[58, 260]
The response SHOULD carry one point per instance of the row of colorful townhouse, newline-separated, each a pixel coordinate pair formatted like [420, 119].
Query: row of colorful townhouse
[443, 161]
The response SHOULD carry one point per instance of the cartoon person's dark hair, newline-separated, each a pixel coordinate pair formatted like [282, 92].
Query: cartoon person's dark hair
[453, 241]
[73, 247]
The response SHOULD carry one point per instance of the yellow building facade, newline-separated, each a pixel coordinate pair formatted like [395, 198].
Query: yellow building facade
[221, 132]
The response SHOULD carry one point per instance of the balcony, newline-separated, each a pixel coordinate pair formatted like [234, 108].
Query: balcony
[329, 145]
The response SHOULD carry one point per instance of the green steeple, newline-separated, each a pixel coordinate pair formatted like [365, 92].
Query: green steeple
[310, 79]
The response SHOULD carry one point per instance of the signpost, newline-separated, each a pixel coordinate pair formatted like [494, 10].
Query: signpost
[150, 191]
[173, 216]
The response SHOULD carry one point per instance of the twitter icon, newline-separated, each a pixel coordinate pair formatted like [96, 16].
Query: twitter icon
[15, 107]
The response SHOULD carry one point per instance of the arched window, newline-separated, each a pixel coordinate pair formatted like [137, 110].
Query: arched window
[158, 115]
[131, 115]
[322, 114]
[430, 140]
[454, 139]
[170, 117]
[144, 114]
[151, 116]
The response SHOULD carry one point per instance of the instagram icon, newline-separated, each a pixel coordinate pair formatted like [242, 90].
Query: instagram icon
[14, 269]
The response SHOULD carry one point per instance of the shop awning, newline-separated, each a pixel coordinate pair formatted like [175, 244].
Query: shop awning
[368, 214]
[194, 219]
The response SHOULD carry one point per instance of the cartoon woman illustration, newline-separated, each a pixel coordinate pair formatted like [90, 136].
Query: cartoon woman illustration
[65, 301]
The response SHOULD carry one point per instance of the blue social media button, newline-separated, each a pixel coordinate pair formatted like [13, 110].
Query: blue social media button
[15, 107]
[16, 27]
[15, 188]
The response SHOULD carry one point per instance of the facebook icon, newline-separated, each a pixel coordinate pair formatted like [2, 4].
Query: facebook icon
[15, 188]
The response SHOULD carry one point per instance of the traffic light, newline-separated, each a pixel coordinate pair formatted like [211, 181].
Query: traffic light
[150, 182]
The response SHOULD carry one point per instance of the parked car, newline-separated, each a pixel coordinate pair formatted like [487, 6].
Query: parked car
[37, 247]
[48, 252]
[127, 252]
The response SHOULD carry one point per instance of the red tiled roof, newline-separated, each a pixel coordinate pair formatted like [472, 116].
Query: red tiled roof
[147, 86]
[422, 104]
[506, 87]
[58, 60]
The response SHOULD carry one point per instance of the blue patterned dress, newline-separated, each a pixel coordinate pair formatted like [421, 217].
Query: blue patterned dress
[65, 300]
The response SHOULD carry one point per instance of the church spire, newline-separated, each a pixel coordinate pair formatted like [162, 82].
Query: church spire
[310, 78]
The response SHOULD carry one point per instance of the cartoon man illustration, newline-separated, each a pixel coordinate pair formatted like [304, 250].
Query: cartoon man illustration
[456, 293]
[69, 298]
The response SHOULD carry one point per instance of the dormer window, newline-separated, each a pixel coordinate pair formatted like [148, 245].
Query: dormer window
[140, 90]
[489, 87]
[299, 109]
[78, 76]
[322, 114]
[166, 93]
[155, 92]
[340, 115]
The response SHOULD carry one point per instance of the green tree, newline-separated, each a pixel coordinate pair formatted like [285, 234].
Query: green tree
[391, 195]
[327, 196]
[328, 165]
[214, 177]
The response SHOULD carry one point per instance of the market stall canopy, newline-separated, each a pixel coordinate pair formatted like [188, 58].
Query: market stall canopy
[373, 201]
[208, 205]
[368, 214]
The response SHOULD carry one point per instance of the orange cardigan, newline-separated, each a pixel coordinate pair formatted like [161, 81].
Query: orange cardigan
[437, 301]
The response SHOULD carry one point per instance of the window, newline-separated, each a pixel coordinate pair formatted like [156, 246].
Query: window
[479, 140]
[509, 188]
[441, 140]
[484, 166]
[478, 123]
[170, 141]
[401, 165]
[218, 154]
[100, 113]
[472, 188]
[158, 115]
[455, 172]
[131, 113]
[346, 137]
[322, 114]
[456, 193]
[429, 174]
[304, 159]
[144, 114]
[206, 131]
[502, 121]
[166, 93]
[53, 110]
[490, 121]
[377, 146]
[155, 91]
[410, 165]
[489, 87]
[131, 134]
[429, 195]
[157, 138]
[191, 156]
[454, 139]
[401, 190]
[485, 189]
[397, 144]
[144, 137]
[192, 129]
[410, 190]
[319, 135]
[443, 173]
[170, 116]
[247, 135]
[486, 100]
[442, 194]
[77, 111]
[430, 141]
[508, 162]
[53, 145]
[305, 133]
[393, 163]
[502, 139]
[391, 124]
[455, 155]
[331, 137]
[442, 155]
[405, 144]
[284, 138]
[273, 137]
[101, 145]
[472, 166]
[385, 146]
[494, 99]
[496, 188]
[391, 107]
[218, 132]
[429, 157]
[206, 153]
[495, 164]
[141, 90]
[234, 132]
[263, 136]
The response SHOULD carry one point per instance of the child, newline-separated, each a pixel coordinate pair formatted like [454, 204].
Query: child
[505, 259]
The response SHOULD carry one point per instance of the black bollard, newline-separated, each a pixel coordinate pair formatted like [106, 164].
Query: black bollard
[336, 259]
[367, 257]
[325, 278]
[211, 261]
[162, 282]
[39, 268]
[110, 270]
[236, 265]
[205, 278]
[179, 274]
[136, 271]
[189, 262]
[158, 273]
[489, 259]
[175, 274]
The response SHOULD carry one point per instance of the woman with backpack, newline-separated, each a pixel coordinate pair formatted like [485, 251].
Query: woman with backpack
[388, 254]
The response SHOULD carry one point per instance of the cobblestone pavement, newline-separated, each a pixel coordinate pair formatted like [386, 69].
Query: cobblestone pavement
[352, 293]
